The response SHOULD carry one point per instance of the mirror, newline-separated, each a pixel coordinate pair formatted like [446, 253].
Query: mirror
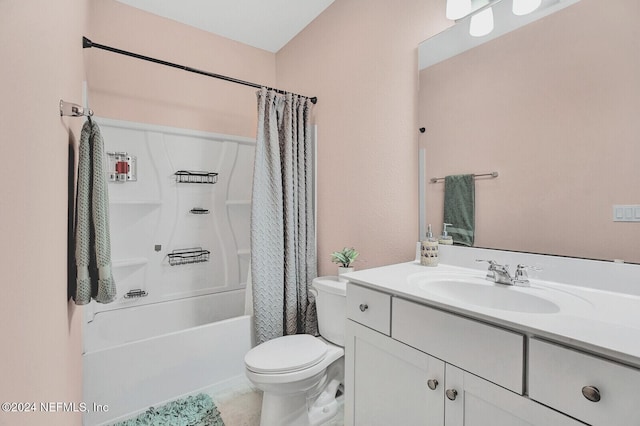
[554, 107]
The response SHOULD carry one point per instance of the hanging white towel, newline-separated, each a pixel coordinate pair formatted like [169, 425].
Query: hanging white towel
[93, 245]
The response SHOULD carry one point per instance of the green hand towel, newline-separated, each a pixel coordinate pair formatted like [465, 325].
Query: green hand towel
[459, 208]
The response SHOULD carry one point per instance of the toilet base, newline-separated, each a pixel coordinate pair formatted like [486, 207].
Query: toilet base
[294, 410]
[312, 407]
[290, 410]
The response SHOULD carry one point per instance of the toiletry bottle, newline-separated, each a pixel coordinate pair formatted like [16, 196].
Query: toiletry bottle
[429, 250]
[445, 238]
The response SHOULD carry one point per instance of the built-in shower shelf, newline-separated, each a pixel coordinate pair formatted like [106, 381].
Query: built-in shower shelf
[129, 262]
[244, 252]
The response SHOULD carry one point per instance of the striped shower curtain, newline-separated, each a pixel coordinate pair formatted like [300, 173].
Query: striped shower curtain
[283, 254]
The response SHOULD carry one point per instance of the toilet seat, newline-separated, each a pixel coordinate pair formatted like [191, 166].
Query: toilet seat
[286, 354]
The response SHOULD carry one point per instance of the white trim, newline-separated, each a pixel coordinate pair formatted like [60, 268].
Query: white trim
[173, 130]
[314, 142]
[422, 206]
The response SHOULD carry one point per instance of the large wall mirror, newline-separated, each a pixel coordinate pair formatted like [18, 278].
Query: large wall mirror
[554, 107]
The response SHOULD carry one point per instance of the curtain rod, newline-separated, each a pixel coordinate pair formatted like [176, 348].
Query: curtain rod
[86, 43]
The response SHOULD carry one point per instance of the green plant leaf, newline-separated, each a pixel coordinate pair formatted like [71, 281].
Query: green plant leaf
[345, 257]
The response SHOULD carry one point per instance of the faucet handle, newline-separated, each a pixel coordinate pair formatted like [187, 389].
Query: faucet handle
[495, 266]
[521, 276]
[523, 268]
[491, 275]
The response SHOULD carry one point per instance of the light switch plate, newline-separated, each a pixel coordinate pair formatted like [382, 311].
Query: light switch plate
[626, 213]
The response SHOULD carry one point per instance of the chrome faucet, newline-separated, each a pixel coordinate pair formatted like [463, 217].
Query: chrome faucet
[500, 273]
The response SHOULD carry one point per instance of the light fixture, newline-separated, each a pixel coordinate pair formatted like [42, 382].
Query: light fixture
[524, 7]
[456, 9]
[481, 23]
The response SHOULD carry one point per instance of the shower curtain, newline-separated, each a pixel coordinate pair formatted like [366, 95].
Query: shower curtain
[283, 254]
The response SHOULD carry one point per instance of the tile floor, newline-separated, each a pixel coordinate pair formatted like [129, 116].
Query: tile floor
[239, 404]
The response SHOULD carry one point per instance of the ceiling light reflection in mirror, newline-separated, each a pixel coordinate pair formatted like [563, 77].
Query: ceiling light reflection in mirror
[481, 23]
[456, 39]
[525, 7]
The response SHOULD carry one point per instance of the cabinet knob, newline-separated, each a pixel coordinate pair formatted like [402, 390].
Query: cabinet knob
[432, 383]
[591, 393]
[364, 307]
[451, 394]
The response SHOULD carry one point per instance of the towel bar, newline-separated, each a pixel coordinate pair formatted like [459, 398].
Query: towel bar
[492, 174]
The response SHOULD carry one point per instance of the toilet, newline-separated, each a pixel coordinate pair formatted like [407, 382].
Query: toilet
[300, 374]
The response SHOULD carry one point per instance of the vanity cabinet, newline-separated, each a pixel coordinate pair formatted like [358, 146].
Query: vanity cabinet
[389, 382]
[370, 308]
[479, 402]
[592, 389]
[490, 352]
[433, 368]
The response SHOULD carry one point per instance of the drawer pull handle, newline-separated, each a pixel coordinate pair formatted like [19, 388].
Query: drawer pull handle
[432, 383]
[591, 393]
[452, 394]
[364, 307]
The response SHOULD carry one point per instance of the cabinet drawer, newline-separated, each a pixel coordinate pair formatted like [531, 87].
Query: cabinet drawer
[369, 307]
[487, 351]
[558, 376]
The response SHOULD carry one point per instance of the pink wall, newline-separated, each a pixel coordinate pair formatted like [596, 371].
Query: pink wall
[129, 89]
[41, 332]
[554, 108]
[360, 59]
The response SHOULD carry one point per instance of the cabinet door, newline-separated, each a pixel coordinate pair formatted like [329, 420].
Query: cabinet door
[481, 403]
[558, 376]
[387, 382]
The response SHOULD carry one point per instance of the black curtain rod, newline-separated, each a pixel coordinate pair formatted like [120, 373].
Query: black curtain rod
[86, 43]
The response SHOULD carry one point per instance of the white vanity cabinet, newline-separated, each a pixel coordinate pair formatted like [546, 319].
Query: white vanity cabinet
[389, 383]
[479, 402]
[592, 389]
[408, 364]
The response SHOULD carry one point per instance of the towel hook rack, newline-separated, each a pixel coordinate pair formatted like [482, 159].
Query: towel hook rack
[69, 109]
[492, 174]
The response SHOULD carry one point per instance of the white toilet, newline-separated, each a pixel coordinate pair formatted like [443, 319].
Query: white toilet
[300, 374]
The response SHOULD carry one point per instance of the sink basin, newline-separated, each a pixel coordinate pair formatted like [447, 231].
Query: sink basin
[480, 292]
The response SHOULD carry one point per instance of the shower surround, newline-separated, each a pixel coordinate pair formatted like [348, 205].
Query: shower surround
[177, 324]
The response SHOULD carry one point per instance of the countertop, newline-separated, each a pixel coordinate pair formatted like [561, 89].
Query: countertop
[597, 321]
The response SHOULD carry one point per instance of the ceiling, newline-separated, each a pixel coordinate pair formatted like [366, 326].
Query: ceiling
[265, 24]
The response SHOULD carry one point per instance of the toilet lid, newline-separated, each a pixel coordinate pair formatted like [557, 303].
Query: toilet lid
[286, 354]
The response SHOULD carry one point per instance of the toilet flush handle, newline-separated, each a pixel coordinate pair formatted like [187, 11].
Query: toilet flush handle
[363, 307]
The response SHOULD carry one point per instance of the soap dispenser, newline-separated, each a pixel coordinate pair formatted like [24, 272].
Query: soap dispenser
[445, 238]
[429, 250]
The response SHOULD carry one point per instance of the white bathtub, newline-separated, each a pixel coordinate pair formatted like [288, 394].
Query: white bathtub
[142, 356]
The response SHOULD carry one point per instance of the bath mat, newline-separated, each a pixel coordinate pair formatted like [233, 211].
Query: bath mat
[198, 410]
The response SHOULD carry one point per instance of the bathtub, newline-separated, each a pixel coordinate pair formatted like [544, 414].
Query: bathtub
[136, 357]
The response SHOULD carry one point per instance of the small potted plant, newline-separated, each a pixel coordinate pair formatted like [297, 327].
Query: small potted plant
[344, 259]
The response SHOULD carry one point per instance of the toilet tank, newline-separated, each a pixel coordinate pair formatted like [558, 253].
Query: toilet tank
[331, 301]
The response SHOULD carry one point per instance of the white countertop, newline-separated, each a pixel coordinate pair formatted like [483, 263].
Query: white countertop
[603, 322]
